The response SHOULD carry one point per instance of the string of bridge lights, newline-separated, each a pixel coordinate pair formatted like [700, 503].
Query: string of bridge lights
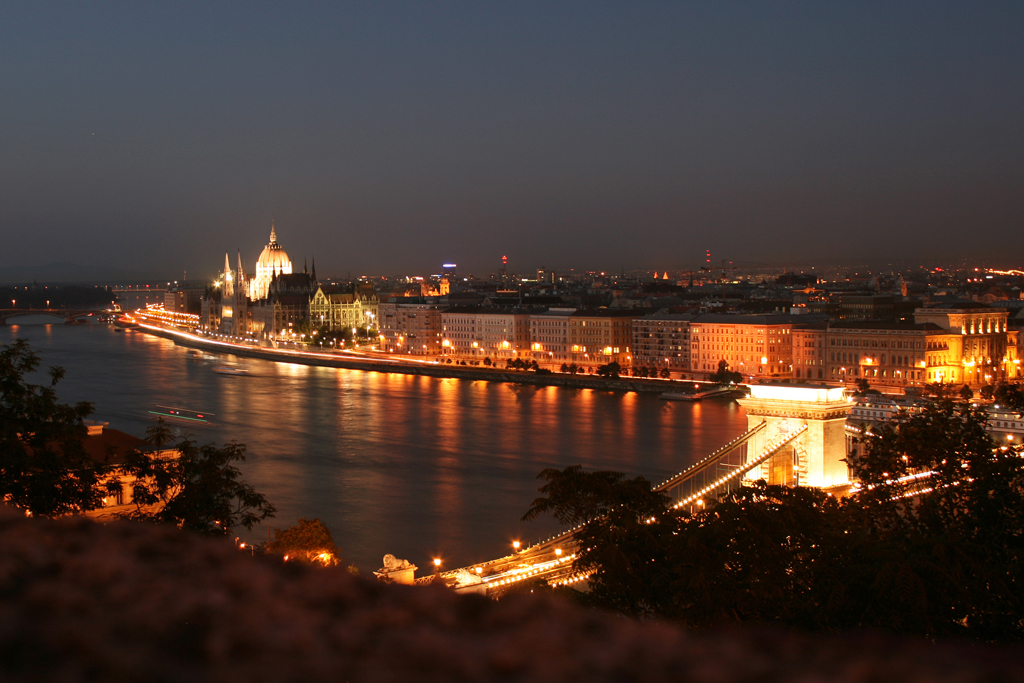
[522, 573]
[769, 451]
[716, 454]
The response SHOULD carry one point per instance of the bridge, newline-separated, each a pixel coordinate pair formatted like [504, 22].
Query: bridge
[796, 436]
[64, 314]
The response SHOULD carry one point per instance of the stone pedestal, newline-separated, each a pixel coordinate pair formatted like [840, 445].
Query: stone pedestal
[397, 571]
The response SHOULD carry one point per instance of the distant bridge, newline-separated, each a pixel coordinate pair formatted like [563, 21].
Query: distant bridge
[65, 314]
[719, 473]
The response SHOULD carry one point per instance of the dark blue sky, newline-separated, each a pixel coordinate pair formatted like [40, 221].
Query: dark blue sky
[386, 137]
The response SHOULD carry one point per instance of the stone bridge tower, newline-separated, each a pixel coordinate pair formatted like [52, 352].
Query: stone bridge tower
[816, 457]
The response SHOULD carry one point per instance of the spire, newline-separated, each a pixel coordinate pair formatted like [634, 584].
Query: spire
[314, 268]
[241, 271]
[273, 233]
[227, 266]
[304, 264]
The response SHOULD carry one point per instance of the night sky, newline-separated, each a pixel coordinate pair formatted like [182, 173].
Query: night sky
[390, 137]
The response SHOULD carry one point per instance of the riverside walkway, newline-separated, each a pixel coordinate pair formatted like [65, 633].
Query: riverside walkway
[375, 363]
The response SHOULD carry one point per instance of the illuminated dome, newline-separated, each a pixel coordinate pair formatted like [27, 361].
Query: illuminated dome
[273, 260]
[273, 256]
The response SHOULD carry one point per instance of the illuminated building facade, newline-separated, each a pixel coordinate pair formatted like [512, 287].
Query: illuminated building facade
[809, 352]
[888, 355]
[349, 307]
[549, 335]
[662, 340]
[477, 332]
[260, 306]
[285, 306]
[986, 353]
[410, 327]
[600, 337]
[225, 307]
[756, 346]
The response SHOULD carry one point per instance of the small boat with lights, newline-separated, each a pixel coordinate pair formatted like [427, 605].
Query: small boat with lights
[713, 392]
[230, 370]
[675, 396]
[182, 414]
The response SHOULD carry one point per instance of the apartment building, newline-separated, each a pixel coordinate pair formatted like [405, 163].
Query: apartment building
[549, 335]
[756, 346]
[601, 336]
[479, 332]
[662, 340]
[410, 328]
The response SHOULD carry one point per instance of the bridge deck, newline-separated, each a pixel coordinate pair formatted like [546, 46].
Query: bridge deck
[552, 559]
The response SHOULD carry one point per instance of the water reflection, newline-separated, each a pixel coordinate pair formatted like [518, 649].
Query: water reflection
[391, 463]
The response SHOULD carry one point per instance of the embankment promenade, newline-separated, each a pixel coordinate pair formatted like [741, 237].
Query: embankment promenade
[421, 368]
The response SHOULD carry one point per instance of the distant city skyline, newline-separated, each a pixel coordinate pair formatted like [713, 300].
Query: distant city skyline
[390, 137]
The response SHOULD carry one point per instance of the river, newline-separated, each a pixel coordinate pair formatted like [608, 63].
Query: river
[418, 467]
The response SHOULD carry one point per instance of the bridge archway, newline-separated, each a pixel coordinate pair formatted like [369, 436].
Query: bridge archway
[34, 319]
[817, 456]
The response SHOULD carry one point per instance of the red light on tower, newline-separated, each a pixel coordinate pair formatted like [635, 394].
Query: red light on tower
[504, 260]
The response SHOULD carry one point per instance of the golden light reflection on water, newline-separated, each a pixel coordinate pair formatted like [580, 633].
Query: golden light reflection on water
[391, 463]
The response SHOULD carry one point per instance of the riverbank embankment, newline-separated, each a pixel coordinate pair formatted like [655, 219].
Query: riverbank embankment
[421, 369]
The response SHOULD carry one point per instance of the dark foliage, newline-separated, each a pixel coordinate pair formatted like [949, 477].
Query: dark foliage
[44, 468]
[191, 486]
[930, 544]
[309, 541]
[724, 375]
[1010, 395]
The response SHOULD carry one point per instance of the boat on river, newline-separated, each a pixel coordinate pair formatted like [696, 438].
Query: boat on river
[713, 392]
[230, 370]
[183, 414]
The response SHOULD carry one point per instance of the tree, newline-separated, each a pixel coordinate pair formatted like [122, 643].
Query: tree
[862, 384]
[574, 496]
[487, 361]
[963, 538]
[987, 392]
[194, 487]
[724, 375]
[44, 468]
[309, 541]
[666, 373]
[303, 326]
[611, 370]
[930, 544]
[1010, 395]
[966, 393]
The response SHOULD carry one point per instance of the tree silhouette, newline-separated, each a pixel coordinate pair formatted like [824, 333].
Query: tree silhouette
[309, 541]
[724, 375]
[192, 486]
[44, 468]
[930, 543]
